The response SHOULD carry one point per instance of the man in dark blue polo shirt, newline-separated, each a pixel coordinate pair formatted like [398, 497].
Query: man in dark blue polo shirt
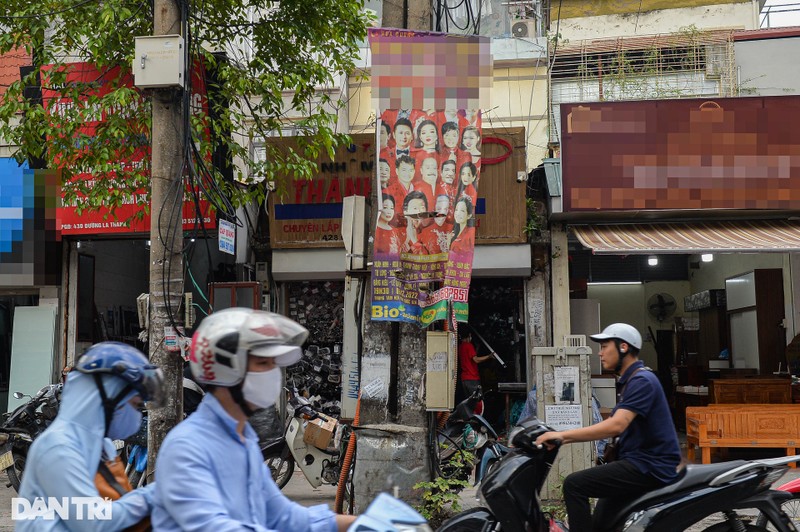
[649, 453]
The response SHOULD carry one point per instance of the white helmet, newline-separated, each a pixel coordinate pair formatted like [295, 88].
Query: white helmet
[620, 331]
[223, 340]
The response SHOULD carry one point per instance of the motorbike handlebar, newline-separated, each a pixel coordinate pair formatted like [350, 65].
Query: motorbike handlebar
[556, 443]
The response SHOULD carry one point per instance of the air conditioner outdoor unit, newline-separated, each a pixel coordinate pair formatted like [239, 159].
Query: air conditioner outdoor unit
[523, 28]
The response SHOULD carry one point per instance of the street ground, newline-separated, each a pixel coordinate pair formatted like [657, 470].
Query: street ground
[301, 492]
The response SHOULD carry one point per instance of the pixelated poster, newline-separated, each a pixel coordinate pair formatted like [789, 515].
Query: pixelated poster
[725, 153]
[429, 169]
[30, 248]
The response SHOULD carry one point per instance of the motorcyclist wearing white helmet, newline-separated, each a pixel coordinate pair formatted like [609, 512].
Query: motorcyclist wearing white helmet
[648, 450]
[210, 473]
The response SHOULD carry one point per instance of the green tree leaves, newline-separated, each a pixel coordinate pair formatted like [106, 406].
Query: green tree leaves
[283, 67]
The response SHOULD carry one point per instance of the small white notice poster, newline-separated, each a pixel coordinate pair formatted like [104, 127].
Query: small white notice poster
[563, 417]
[227, 237]
[566, 389]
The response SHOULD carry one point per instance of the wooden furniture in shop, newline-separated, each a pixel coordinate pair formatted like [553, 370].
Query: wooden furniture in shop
[743, 426]
[755, 390]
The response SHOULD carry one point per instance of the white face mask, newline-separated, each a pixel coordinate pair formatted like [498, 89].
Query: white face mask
[262, 388]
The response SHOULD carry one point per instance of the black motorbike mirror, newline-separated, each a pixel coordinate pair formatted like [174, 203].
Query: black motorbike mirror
[525, 434]
[19, 395]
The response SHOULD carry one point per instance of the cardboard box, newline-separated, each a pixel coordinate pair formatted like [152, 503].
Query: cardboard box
[319, 433]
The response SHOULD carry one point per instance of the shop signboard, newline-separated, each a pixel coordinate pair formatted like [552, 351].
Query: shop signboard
[130, 217]
[721, 153]
[308, 212]
[429, 89]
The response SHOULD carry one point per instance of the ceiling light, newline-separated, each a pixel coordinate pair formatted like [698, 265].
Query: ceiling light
[612, 283]
[706, 257]
[652, 260]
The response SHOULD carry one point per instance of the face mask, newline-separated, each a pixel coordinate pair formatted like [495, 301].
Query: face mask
[125, 422]
[262, 388]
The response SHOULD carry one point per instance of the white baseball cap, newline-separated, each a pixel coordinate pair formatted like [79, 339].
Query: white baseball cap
[620, 331]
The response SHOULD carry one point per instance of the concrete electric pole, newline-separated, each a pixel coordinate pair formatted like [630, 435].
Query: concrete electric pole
[166, 235]
[392, 447]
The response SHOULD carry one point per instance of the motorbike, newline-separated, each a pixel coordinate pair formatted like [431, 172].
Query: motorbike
[465, 430]
[791, 507]
[20, 427]
[510, 492]
[317, 464]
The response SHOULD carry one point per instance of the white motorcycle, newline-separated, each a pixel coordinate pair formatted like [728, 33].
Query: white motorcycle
[317, 443]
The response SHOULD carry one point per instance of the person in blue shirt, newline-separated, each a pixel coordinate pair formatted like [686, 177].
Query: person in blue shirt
[648, 449]
[100, 403]
[209, 472]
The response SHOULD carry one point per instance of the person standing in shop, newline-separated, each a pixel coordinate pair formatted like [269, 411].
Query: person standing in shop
[468, 360]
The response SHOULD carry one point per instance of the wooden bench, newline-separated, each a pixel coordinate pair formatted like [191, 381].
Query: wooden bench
[741, 425]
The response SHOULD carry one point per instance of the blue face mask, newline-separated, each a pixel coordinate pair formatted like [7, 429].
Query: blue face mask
[125, 422]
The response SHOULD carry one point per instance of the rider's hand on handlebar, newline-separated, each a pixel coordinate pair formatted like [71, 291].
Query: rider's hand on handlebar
[549, 440]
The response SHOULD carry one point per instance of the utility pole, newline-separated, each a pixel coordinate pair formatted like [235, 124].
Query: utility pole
[166, 236]
[392, 445]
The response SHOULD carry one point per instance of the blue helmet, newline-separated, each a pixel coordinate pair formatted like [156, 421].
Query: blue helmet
[127, 363]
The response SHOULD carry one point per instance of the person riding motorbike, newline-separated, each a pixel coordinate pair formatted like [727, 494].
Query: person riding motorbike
[648, 449]
[100, 403]
[210, 474]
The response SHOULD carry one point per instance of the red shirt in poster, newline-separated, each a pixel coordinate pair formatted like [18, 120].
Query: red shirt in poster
[465, 242]
[389, 241]
[436, 238]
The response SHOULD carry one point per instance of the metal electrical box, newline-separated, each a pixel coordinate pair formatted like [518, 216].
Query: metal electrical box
[440, 377]
[353, 228]
[158, 62]
[564, 391]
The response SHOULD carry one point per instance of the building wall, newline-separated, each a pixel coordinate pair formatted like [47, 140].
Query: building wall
[619, 19]
[762, 66]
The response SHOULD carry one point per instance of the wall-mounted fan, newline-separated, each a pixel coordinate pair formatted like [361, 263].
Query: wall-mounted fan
[661, 306]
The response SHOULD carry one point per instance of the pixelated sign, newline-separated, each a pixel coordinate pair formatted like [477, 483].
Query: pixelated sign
[725, 153]
[30, 247]
[429, 89]
[71, 221]
[426, 70]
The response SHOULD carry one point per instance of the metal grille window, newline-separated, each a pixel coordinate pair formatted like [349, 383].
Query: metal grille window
[682, 65]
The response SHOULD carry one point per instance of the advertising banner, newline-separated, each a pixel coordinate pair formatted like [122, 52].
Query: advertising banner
[128, 217]
[430, 88]
[425, 232]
